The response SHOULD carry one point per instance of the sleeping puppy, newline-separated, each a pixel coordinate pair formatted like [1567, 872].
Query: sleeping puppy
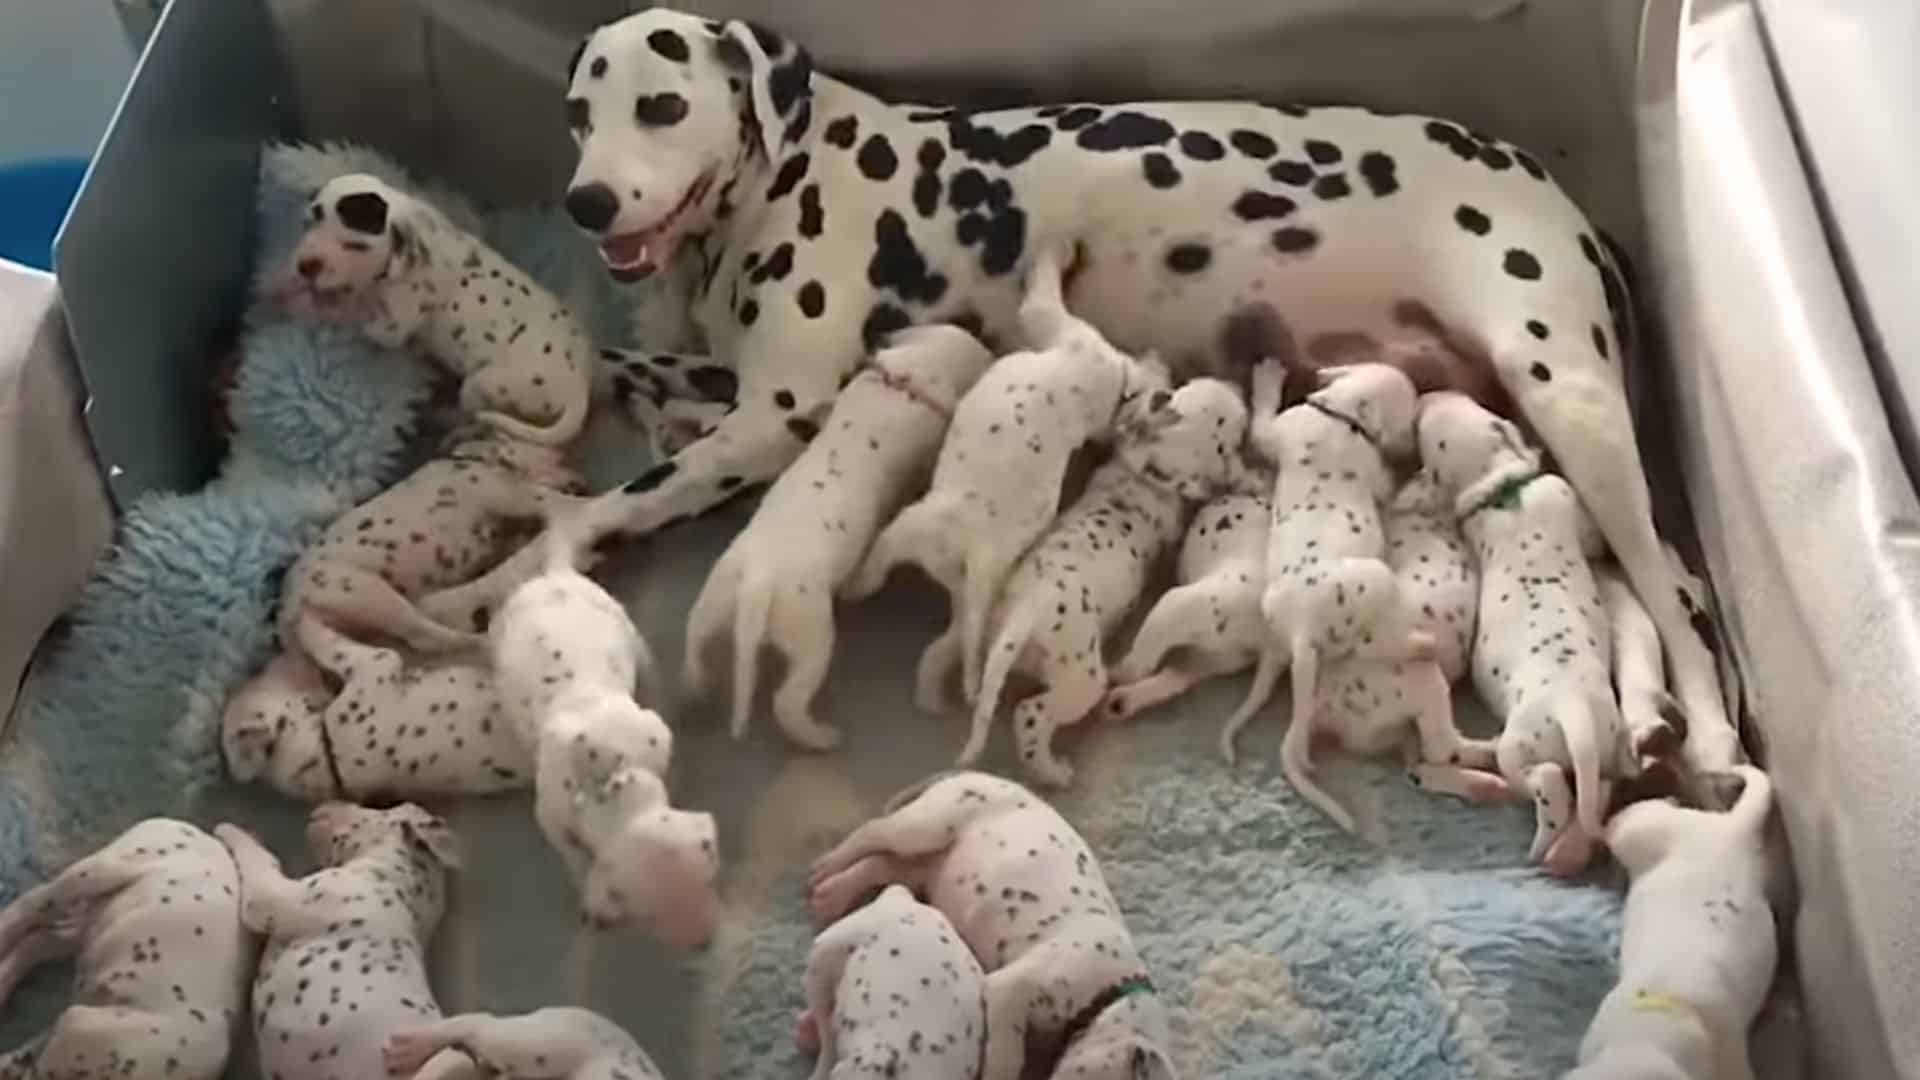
[1697, 945]
[1087, 573]
[1065, 983]
[1541, 650]
[778, 577]
[566, 658]
[997, 484]
[396, 267]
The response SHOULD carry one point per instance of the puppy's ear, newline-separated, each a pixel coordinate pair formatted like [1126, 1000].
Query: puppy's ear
[432, 833]
[246, 741]
[779, 78]
[573, 61]
[363, 212]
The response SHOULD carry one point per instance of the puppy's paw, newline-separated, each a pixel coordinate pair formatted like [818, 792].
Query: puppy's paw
[405, 1051]
[1422, 646]
[806, 1032]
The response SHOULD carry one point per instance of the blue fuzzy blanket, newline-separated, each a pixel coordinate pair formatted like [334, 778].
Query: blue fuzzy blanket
[1422, 948]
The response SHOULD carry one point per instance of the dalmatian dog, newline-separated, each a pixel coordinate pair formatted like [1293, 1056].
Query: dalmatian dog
[566, 658]
[397, 268]
[820, 217]
[674, 398]
[345, 959]
[997, 484]
[1541, 654]
[1065, 983]
[892, 990]
[161, 961]
[1074, 587]
[394, 729]
[444, 523]
[778, 577]
[546, 1044]
[1330, 592]
[1697, 945]
[1210, 622]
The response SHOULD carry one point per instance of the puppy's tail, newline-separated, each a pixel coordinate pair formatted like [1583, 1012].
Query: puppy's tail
[1296, 749]
[564, 429]
[753, 603]
[1577, 726]
[1006, 650]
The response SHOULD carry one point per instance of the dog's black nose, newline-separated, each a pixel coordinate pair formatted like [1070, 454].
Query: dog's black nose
[592, 206]
[310, 267]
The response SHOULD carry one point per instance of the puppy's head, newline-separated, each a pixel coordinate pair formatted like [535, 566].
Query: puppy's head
[272, 724]
[1379, 397]
[668, 110]
[940, 360]
[358, 238]
[1187, 438]
[339, 832]
[657, 868]
[1123, 1043]
[1463, 444]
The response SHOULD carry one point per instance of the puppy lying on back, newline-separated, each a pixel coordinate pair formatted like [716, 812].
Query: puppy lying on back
[778, 577]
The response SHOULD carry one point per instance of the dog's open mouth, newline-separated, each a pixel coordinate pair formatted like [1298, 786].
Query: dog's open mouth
[632, 256]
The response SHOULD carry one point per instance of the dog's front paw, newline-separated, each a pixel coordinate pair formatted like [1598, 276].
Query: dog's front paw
[406, 1051]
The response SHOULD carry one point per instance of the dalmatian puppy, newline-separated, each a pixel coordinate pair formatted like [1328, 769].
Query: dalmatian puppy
[1212, 617]
[1697, 944]
[869, 215]
[566, 658]
[1330, 592]
[778, 577]
[1064, 980]
[152, 921]
[394, 729]
[892, 990]
[1653, 718]
[445, 522]
[546, 1044]
[997, 484]
[1541, 654]
[345, 959]
[1085, 575]
[402, 272]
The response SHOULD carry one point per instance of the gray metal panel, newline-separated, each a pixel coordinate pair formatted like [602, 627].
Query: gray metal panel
[155, 254]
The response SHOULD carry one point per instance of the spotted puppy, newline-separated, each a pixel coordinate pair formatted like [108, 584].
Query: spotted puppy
[345, 959]
[777, 579]
[997, 484]
[1074, 587]
[395, 266]
[1064, 980]
[1541, 648]
[445, 522]
[1697, 943]
[394, 729]
[566, 658]
[161, 960]
[892, 990]
[546, 1044]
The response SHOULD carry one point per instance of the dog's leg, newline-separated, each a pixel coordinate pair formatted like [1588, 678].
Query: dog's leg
[1552, 805]
[988, 563]
[1044, 318]
[1180, 619]
[1470, 785]
[826, 961]
[269, 900]
[1441, 742]
[554, 804]
[1075, 685]
[40, 946]
[1170, 682]
[1012, 993]
[536, 1046]
[1653, 721]
[1265, 674]
[936, 666]
[925, 826]
[69, 897]
[711, 613]
[803, 626]
[832, 895]
[366, 600]
[347, 660]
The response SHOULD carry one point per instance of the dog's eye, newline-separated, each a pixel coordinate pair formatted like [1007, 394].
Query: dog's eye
[356, 245]
[579, 114]
[316, 212]
[660, 110]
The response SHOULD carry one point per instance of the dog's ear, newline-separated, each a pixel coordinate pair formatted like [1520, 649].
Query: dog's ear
[246, 741]
[779, 78]
[433, 834]
[363, 212]
[573, 60]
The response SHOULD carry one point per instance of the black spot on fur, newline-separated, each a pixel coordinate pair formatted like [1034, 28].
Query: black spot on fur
[881, 322]
[876, 159]
[579, 114]
[1188, 258]
[1260, 206]
[1538, 329]
[775, 267]
[968, 189]
[363, 212]
[1521, 264]
[842, 132]
[669, 44]
[731, 55]
[1464, 146]
[1291, 173]
[1295, 241]
[1332, 187]
[1159, 170]
[660, 110]
[1541, 372]
[897, 263]
[1379, 172]
[813, 218]
[1495, 158]
[598, 69]
[728, 483]
[1530, 164]
[1322, 152]
[802, 120]
[1473, 220]
[1201, 146]
[749, 312]
[783, 398]
[812, 298]
[788, 82]
[802, 428]
[792, 171]
[1125, 130]
[1077, 117]
[971, 322]
[1295, 111]
[1600, 342]
[927, 187]
[1006, 240]
[652, 478]
[713, 383]
[931, 155]
[1253, 144]
[991, 147]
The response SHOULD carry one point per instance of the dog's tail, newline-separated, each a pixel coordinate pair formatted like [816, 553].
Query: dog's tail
[1296, 748]
[752, 604]
[565, 429]
[1578, 727]
[1006, 650]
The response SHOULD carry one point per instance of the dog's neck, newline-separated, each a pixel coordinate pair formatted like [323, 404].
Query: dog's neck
[1342, 417]
[904, 384]
[1499, 489]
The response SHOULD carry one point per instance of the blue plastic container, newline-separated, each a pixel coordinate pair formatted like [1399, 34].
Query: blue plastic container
[34, 196]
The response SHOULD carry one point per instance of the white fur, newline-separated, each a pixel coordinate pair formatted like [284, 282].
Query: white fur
[1028, 897]
[1076, 584]
[546, 1044]
[776, 581]
[161, 959]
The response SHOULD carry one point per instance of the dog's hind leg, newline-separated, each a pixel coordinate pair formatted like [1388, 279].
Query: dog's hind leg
[1182, 618]
[367, 601]
[40, 946]
[921, 534]
[710, 614]
[937, 664]
[70, 895]
[803, 628]
[1075, 685]
[1186, 672]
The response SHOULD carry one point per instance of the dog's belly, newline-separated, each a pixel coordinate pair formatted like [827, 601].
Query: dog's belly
[179, 926]
[324, 1010]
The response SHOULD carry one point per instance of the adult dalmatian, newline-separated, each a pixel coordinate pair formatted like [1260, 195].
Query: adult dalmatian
[822, 218]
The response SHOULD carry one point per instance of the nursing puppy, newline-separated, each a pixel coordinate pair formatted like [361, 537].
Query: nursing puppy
[396, 267]
[892, 990]
[152, 921]
[566, 658]
[441, 525]
[1697, 945]
[1086, 574]
[1541, 649]
[546, 1044]
[996, 486]
[345, 960]
[1210, 623]
[778, 577]
[1064, 980]
[1330, 592]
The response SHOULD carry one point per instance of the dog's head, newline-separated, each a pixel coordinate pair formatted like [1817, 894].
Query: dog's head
[339, 832]
[667, 109]
[272, 727]
[1378, 397]
[1123, 1043]
[940, 360]
[359, 237]
[1188, 438]
[656, 868]
[1463, 444]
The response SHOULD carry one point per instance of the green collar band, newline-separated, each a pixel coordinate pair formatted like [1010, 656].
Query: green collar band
[1505, 495]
